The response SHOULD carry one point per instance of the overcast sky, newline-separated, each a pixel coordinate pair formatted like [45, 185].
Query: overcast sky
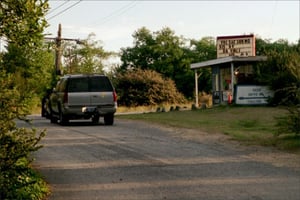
[114, 22]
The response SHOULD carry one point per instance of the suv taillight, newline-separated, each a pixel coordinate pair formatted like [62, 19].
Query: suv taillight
[66, 97]
[115, 96]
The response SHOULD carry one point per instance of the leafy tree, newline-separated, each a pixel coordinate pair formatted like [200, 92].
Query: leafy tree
[198, 51]
[160, 51]
[203, 49]
[169, 55]
[277, 70]
[291, 122]
[142, 54]
[17, 179]
[282, 73]
[87, 57]
[23, 21]
[33, 69]
[22, 25]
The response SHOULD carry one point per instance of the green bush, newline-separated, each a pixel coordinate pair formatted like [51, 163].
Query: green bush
[290, 123]
[17, 179]
[25, 70]
[146, 87]
[290, 97]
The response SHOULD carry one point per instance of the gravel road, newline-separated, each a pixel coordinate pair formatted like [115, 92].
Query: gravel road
[135, 160]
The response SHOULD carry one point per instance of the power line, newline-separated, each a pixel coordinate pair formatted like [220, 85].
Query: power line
[61, 12]
[116, 13]
[54, 9]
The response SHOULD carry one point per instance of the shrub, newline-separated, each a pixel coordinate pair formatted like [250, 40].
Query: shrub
[290, 98]
[290, 123]
[17, 179]
[146, 87]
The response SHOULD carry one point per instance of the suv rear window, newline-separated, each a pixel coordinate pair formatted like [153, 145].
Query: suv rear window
[100, 84]
[89, 84]
[78, 84]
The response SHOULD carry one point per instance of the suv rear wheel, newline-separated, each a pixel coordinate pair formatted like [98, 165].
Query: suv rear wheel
[63, 120]
[109, 119]
[95, 119]
[53, 120]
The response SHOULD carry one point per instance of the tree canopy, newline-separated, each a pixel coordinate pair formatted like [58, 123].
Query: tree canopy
[21, 74]
[23, 21]
[86, 57]
[169, 55]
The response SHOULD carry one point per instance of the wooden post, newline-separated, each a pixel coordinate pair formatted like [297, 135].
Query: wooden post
[196, 88]
[232, 79]
[58, 52]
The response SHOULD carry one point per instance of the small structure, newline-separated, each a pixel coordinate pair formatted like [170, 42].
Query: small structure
[232, 71]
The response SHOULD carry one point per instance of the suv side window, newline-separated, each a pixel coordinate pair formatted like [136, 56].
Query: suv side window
[61, 85]
[100, 84]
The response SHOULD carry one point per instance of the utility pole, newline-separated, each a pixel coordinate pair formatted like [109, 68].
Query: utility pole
[58, 49]
[58, 52]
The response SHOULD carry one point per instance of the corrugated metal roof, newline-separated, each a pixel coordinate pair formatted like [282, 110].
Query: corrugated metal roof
[229, 59]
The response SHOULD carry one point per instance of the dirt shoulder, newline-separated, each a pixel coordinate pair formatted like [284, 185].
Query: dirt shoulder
[269, 155]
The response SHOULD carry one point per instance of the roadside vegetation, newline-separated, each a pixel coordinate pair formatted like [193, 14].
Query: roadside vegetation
[21, 66]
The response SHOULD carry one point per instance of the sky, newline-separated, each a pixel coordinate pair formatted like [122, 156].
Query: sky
[114, 22]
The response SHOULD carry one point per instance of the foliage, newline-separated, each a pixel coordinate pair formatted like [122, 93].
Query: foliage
[33, 69]
[203, 50]
[16, 180]
[23, 21]
[169, 55]
[25, 57]
[282, 73]
[87, 57]
[279, 71]
[290, 123]
[199, 51]
[23, 69]
[146, 87]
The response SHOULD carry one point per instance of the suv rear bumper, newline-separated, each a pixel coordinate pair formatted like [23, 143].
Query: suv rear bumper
[76, 112]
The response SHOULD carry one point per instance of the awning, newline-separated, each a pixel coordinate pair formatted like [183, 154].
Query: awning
[230, 59]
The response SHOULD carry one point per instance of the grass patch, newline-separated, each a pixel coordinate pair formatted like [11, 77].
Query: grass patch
[251, 125]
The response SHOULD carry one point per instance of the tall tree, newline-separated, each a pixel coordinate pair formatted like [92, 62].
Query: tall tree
[141, 55]
[198, 51]
[171, 56]
[203, 49]
[160, 51]
[163, 52]
[87, 56]
[22, 25]
[279, 72]
[23, 21]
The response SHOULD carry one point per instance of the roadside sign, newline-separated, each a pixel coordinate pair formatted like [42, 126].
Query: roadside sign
[252, 95]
